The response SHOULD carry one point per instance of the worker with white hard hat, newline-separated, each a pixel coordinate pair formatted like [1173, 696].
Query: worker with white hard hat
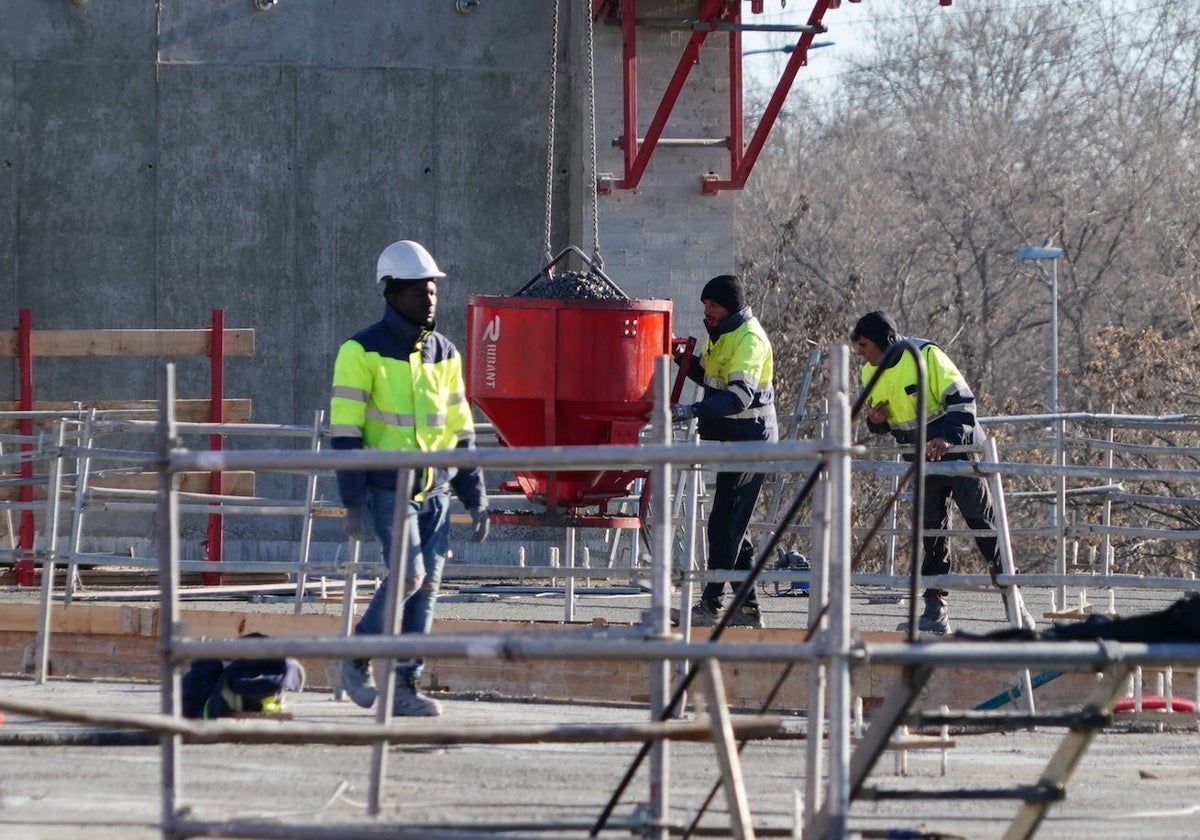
[398, 385]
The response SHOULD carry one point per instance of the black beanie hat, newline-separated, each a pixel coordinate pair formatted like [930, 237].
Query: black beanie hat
[725, 289]
[877, 327]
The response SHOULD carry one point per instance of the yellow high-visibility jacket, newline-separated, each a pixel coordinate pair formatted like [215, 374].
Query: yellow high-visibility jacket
[399, 386]
[949, 401]
[735, 367]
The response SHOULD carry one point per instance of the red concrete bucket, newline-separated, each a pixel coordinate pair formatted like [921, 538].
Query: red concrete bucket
[551, 372]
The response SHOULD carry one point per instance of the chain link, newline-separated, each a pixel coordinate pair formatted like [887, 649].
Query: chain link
[550, 131]
[591, 85]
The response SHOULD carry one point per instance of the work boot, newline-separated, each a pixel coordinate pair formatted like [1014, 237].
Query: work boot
[707, 613]
[935, 619]
[410, 702]
[747, 615]
[354, 678]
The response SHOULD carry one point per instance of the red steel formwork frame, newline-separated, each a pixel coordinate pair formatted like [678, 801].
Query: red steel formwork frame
[24, 568]
[214, 543]
[713, 16]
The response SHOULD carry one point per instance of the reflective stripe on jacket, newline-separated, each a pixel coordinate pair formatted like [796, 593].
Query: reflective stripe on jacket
[397, 386]
[736, 369]
[949, 401]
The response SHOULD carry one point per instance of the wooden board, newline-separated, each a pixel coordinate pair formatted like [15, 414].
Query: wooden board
[186, 411]
[234, 484]
[237, 483]
[119, 641]
[153, 342]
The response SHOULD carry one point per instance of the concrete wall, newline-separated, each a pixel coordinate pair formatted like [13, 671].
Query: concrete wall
[159, 161]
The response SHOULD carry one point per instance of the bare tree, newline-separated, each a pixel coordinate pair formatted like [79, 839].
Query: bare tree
[966, 137]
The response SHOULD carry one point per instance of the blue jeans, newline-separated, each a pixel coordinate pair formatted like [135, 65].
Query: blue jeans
[429, 525]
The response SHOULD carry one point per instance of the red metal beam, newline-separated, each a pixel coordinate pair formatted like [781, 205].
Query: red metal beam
[742, 157]
[637, 156]
[603, 8]
[744, 162]
[23, 568]
[215, 542]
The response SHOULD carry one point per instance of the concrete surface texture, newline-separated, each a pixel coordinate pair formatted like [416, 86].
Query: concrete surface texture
[160, 161]
[1130, 784]
[1134, 781]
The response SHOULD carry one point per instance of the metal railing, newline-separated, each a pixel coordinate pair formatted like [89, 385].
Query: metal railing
[829, 649]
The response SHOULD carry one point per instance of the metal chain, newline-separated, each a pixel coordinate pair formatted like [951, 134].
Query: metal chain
[550, 136]
[591, 83]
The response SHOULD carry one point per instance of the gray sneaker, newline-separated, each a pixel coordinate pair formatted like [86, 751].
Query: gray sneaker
[748, 615]
[706, 614]
[357, 682]
[410, 702]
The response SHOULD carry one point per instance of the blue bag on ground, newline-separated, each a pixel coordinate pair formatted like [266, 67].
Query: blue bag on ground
[214, 688]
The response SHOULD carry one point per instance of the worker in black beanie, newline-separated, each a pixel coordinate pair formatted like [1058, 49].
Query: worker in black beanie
[734, 370]
[725, 289]
[878, 327]
[951, 428]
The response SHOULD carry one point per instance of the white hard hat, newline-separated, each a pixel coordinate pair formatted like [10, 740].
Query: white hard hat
[406, 260]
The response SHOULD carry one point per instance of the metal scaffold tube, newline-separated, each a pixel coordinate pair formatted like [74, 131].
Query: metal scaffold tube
[829, 649]
[660, 674]
[837, 638]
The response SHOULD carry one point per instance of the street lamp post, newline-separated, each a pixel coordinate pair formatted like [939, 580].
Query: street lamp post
[1051, 255]
[1046, 253]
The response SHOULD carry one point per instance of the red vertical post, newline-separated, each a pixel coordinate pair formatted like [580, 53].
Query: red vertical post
[736, 117]
[216, 411]
[629, 82]
[23, 568]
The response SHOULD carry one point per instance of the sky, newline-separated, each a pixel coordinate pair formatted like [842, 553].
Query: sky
[850, 28]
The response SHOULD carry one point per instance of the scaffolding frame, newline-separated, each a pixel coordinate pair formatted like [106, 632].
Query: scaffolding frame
[831, 650]
[177, 650]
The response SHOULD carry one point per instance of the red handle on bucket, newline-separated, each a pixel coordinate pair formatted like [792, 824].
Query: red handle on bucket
[689, 345]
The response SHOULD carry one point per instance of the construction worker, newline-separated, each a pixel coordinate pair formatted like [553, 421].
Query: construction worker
[398, 385]
[734, 368]
[950, 421]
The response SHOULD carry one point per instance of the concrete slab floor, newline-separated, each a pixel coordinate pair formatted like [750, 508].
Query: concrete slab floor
[1132, 782]
[1129, 784]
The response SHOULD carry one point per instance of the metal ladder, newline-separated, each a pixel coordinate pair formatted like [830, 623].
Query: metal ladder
[1036, 798]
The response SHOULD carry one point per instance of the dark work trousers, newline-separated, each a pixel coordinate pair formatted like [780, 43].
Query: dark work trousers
[974, 502]
[729, 547]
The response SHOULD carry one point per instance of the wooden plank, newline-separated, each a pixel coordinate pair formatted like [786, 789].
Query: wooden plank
[107, 641]
[235, 484]
[126, 619]
[186, 411]
[240, 483]
[150, 342]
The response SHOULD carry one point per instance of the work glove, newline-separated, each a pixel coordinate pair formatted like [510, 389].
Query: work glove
[681, 412]
[479, 524]
[358, 523]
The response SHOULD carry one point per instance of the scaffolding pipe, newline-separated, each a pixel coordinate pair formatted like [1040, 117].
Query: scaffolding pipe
[836, 811]
[658, 795]
[833, 646]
